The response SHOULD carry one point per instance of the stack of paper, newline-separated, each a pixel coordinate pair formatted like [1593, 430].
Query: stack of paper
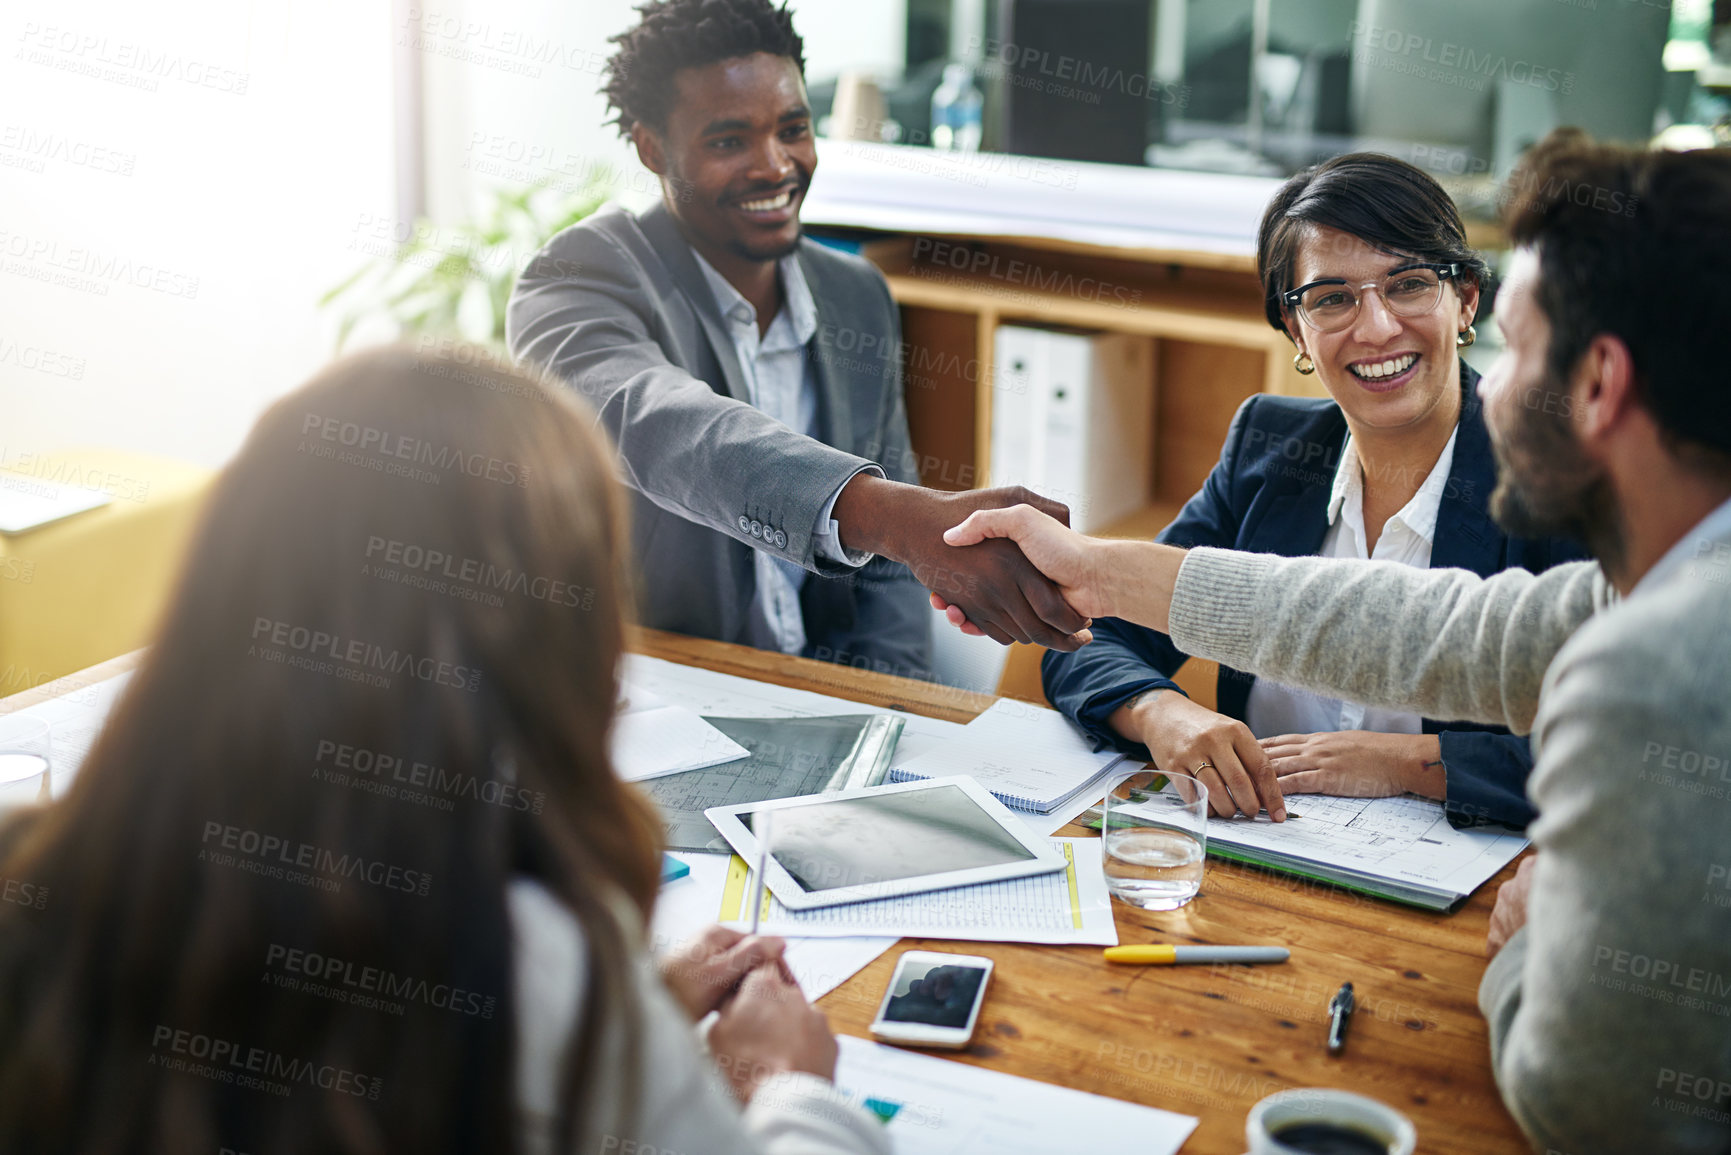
[26, 503]
[1030, 757]
[652, 737]
[933, 1106]
[687, 906]
[927, 192]
[1067, 907]
[1399, 848]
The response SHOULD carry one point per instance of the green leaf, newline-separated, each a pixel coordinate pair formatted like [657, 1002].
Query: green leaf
[345, 285]
[456, 278]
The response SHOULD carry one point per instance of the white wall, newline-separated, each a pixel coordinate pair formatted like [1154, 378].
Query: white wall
[864, 34]
[512, 90]
[188, 175]
[234, 157]
[512, 97]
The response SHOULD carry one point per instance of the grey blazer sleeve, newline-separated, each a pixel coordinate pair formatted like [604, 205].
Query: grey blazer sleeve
[1444, 643]
[596, 314]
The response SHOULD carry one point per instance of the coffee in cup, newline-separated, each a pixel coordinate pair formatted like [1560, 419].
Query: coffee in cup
[1325, 1122]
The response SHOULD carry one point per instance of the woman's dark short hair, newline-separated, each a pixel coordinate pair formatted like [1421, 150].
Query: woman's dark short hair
[1382, 201]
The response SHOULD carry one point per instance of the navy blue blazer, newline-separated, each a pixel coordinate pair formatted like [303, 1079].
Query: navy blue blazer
[1269, 494]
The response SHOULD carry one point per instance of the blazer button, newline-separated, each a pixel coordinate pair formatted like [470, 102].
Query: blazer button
[780, 539]
[757, 529]
[744, 524]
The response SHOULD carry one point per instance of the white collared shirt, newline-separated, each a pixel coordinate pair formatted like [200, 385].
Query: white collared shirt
[1274, 708]
[1700, 550]
[779, 373]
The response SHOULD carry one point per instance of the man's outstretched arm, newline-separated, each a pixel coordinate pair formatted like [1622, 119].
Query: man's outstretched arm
[581, 310]
[1444, 643]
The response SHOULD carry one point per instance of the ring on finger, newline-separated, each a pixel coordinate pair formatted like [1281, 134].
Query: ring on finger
[1237, 807]
[1205, 764]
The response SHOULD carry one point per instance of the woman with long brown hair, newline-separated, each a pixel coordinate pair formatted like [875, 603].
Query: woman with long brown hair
[348, 870]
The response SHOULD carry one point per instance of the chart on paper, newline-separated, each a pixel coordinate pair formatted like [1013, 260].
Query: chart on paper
[1400, 838]
[1069, 906]
[1368, 830]
[932, 1106]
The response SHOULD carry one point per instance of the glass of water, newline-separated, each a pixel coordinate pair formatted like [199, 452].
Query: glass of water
[23, 760]
[1156, 831]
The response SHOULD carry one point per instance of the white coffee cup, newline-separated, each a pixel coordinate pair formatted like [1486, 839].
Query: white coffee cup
[1341, 1108]
[24, 757]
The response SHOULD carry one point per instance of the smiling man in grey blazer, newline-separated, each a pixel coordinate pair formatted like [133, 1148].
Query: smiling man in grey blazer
[751, 378]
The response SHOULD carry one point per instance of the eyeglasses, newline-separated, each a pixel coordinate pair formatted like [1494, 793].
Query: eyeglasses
[1330, 305]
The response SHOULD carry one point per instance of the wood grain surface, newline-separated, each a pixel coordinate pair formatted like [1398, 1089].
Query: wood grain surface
[1203, 1041]
[1209, 1041]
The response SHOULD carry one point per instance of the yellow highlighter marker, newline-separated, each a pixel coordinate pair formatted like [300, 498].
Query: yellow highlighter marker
[1182, 955]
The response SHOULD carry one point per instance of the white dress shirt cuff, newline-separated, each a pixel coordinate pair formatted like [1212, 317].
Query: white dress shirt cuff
[826, 534]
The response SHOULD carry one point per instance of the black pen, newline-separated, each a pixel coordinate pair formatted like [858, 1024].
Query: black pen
[1339, 1010]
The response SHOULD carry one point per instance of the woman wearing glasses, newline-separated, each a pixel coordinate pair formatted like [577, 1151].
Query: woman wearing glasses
[1365, 266]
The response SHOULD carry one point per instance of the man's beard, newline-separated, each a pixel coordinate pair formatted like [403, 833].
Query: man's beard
[1548, 487]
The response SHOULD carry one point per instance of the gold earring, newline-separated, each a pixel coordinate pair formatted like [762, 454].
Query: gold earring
[1462, 340]
[1304, 364]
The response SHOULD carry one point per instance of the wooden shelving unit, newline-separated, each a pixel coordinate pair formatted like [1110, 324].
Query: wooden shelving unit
[1214, 347]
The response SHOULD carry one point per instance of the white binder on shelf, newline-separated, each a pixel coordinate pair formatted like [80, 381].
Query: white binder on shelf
[1073, 419]
[1018, 361]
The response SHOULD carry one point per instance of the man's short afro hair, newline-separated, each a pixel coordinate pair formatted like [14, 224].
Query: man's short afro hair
[675, 34]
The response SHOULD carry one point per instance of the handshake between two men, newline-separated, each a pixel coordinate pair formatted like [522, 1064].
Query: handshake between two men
[991, 584]
[1012, 570]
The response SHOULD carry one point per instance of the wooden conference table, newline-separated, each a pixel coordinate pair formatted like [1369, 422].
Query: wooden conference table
[1201, 1041]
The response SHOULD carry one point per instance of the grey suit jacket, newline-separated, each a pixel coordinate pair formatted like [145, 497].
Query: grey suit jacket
[617, 306]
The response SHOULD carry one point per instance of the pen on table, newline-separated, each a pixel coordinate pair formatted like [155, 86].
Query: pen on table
[1183, 955]
[1339, 1011]
[760, 892]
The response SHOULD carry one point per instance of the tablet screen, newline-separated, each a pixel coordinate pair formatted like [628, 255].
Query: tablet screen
[884, 837]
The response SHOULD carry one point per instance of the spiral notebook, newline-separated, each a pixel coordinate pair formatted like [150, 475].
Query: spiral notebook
[1029, 757]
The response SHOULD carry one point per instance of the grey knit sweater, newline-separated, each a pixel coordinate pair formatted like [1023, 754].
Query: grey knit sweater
[1610, 1012]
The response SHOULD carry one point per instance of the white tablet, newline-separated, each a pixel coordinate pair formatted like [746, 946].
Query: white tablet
[884, 841]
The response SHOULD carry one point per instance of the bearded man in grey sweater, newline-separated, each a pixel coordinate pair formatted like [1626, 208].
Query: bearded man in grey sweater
[1608, 996]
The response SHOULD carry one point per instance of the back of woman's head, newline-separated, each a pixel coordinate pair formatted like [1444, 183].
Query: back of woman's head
[1381, 200]
[383, 688]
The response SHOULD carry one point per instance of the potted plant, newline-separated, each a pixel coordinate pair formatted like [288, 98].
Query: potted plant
[455, 280]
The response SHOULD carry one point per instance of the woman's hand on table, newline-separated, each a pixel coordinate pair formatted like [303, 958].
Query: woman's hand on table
[1357, 763]
[1218, 751]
